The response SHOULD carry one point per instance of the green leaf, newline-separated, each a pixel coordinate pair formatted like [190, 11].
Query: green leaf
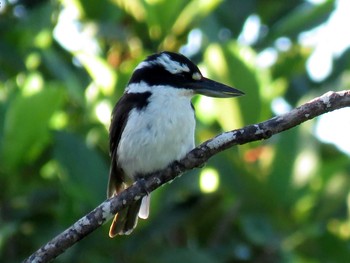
[26, 128]
[302, 18]
[279, 186]
[234, 64]
[86, 172]
[258, 229]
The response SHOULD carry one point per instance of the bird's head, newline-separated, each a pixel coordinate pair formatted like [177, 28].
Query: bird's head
[177, 71]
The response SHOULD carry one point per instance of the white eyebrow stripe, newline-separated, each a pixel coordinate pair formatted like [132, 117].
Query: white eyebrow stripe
[170, 65]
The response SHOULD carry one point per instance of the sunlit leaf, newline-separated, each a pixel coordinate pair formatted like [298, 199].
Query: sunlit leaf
[26, 130]
[302, 18]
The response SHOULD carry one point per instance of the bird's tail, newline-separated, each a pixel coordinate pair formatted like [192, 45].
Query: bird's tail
[125, 221]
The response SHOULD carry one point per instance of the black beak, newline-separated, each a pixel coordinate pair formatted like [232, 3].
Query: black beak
[215, 89]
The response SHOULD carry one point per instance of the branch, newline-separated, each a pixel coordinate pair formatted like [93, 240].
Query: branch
[197, 157]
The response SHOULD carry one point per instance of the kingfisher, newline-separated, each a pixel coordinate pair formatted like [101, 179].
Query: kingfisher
[153, 125]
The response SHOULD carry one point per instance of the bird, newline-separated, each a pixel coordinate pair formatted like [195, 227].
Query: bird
[153, 125]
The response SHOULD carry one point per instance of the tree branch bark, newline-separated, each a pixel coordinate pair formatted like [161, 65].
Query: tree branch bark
[104, 212]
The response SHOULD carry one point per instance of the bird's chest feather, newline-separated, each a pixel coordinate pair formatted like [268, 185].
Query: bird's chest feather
[156, 135]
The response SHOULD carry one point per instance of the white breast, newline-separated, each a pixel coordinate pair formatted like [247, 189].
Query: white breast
[159, 134]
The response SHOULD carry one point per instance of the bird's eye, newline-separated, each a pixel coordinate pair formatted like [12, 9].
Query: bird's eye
[196, 76]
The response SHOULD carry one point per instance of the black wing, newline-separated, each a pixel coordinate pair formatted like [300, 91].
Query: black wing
[120, 114]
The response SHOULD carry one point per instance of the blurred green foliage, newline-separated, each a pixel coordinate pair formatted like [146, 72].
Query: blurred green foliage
[64, 64]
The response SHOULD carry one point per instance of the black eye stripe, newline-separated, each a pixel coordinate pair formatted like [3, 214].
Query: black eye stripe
[155, 71]
[157, 75]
